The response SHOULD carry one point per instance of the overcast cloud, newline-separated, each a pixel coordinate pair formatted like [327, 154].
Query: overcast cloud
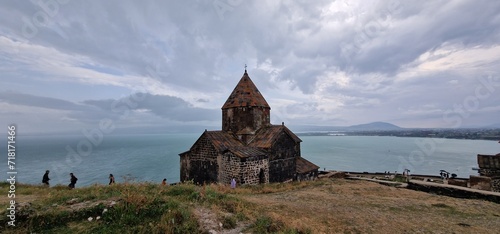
[68, 64]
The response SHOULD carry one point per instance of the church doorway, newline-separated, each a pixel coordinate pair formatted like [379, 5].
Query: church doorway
[262, 176]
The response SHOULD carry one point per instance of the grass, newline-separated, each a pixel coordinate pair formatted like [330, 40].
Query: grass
[323, 206]
[138, 208]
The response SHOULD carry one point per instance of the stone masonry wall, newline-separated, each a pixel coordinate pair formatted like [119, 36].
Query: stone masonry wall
[480, 182]
[489, 172]
[203, 165]
[282, 170]
[307, 176]
[254, 170]
[230, 168]
[495, 185]
[236, 119]
[282, 163]
[185, 166]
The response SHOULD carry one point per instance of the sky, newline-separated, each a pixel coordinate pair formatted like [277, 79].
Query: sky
[73, 66]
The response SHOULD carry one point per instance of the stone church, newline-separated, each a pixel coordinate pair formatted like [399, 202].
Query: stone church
[248, 148]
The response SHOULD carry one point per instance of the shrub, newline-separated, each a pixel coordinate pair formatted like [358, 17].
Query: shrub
[229, 222]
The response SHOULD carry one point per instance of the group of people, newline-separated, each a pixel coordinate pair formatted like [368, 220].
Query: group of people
[73, 179]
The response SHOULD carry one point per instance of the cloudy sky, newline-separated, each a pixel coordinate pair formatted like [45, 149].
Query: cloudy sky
[71, 65]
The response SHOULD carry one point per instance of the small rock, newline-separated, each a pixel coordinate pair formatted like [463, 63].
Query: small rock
[220, 224]
[104, 211]
[211, 231]
[97, 218]
[90, 219]
[72, 201]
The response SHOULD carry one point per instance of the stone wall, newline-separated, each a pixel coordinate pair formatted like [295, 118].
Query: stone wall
[480, 182]
[282, 164]
[307, 176]
[230, 168]
[238, 118]
[281, 170]
[457, 182]
[489, 172]
[452, 192]
[254, 170]
[185, 166]
[202, 165]
[495, 185]
[251, 170]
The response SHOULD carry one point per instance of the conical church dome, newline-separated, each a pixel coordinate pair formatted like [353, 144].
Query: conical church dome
[245, 94]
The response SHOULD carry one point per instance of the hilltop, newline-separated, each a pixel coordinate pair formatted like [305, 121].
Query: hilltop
[322, 206]
[375, 126]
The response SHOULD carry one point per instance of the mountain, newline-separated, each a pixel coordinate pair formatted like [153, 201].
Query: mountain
[497, 125]
[375, 126]
[315, 128]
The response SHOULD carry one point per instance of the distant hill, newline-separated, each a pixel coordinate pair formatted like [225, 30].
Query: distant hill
[497, 125]
[375, 126]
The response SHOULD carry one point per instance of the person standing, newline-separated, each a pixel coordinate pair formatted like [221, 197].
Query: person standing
[164, 182]
[111, 179]
[46, 178]
[72, 180]
[233, 183]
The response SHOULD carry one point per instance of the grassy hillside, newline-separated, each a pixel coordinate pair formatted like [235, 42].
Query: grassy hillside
[324, 206]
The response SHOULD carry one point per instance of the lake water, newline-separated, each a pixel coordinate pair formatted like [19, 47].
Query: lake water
[154, 157]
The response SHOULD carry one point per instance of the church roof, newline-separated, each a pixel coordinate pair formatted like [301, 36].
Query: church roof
[245, 94]
[304, 166]
[488, 161]
[223, 141]
[245, 151]
[265, 137]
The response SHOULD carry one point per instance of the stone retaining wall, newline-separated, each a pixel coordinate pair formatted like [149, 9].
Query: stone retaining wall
[480, 182]
[452, 192]
[495, 185]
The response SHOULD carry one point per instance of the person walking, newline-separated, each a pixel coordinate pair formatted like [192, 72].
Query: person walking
[72, 180]
[111, 179]
[46, 178]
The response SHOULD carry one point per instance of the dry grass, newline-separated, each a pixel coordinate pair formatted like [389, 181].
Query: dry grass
[344, 206]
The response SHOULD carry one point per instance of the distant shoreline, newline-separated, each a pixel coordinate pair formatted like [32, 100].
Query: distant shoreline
[459, 134]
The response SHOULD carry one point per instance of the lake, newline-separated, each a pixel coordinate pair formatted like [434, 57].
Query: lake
[154, 157]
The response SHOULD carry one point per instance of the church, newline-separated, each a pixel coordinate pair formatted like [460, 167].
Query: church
[248, 148]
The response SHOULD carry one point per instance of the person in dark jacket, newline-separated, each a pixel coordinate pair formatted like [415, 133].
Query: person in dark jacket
[73, 181]
[111, 179]
[46, 178]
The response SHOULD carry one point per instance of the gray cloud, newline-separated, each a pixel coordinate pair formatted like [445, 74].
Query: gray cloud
[399, 60]
[42, 102]
[169, 107]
